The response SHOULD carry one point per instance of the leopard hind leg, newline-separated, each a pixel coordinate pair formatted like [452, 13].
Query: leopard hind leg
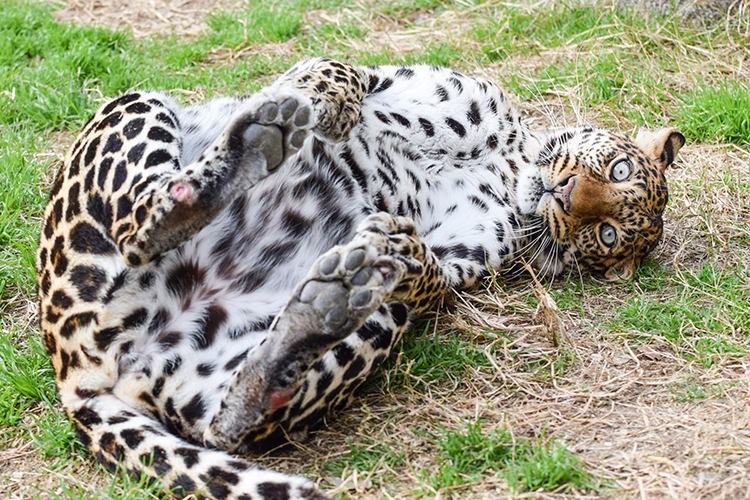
[343, 288]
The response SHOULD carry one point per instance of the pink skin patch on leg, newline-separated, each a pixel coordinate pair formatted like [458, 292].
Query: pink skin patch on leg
[279, 399]
[384, 270]
[181, 191]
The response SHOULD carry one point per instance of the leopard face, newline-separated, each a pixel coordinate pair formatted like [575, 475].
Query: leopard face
[600, 197]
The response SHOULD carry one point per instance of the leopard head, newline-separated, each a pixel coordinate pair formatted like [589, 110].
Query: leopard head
[600, 197]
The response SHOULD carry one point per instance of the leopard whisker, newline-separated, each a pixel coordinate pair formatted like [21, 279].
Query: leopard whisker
[541, 246]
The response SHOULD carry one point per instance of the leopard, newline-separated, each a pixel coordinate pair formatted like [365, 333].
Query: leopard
[217, 278]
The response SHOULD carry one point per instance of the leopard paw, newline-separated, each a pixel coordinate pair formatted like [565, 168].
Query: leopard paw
[274, 125]
[347, 284]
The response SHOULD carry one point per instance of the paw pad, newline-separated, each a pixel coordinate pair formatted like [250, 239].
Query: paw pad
[361, 298]
[354, 259]
[302, 117]
[268, 112]
[329, 264]
[276, 125]
[268, 140]
[288, 108]
[362, 276]
[297, 139]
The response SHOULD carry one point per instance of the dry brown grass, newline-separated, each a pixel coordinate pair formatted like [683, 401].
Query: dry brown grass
[614, 405]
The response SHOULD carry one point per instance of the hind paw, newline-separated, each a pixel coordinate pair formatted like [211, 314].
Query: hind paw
[347, 284]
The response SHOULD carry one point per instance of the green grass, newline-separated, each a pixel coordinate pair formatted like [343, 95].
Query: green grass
[613, 80]
[48, 65]
[709, 313]
[514, 30]
[471, 453]
[27, 383]
[21, 207]
[25, 369]
[255, 25]
[717, 113]
[695, 391]
[548, 366]
[426, 358]
[57, 70]
[367, 456]
[622, 61]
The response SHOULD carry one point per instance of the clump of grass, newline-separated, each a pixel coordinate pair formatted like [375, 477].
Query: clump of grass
[694, 391]
[426, 358]
[547, 366]
[255, 25]
[27, 382]
[365, 457]
[25, 370]
[717, 113]
[709, 313]
[527, 465]
[21, 204]
[466, 454]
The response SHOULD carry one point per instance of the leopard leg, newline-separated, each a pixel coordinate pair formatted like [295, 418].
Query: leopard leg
[332, 382]
[345, 286]
[336, 90]
[265, 129]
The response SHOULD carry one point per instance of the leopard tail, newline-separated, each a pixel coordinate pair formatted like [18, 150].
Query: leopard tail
[123, 439]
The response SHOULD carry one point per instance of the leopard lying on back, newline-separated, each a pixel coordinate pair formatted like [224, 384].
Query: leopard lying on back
[220, 276]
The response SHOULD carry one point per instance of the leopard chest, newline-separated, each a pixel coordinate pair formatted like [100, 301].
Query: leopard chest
[445, 195]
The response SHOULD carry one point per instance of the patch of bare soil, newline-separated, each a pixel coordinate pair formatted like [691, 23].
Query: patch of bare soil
[144, 17]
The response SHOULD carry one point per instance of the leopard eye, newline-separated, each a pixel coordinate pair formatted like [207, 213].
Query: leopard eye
[608, 234]
[620, 171]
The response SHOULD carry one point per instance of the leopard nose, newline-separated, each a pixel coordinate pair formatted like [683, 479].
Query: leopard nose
[562, 191]
[587, 197]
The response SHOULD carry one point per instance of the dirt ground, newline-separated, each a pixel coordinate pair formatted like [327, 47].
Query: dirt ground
[145, 17]
[615, 408]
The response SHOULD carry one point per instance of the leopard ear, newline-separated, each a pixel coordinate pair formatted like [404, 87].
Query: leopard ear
[623, 270]
[661, 146]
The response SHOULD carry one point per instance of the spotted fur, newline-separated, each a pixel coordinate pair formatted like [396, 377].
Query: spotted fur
[217, 277]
